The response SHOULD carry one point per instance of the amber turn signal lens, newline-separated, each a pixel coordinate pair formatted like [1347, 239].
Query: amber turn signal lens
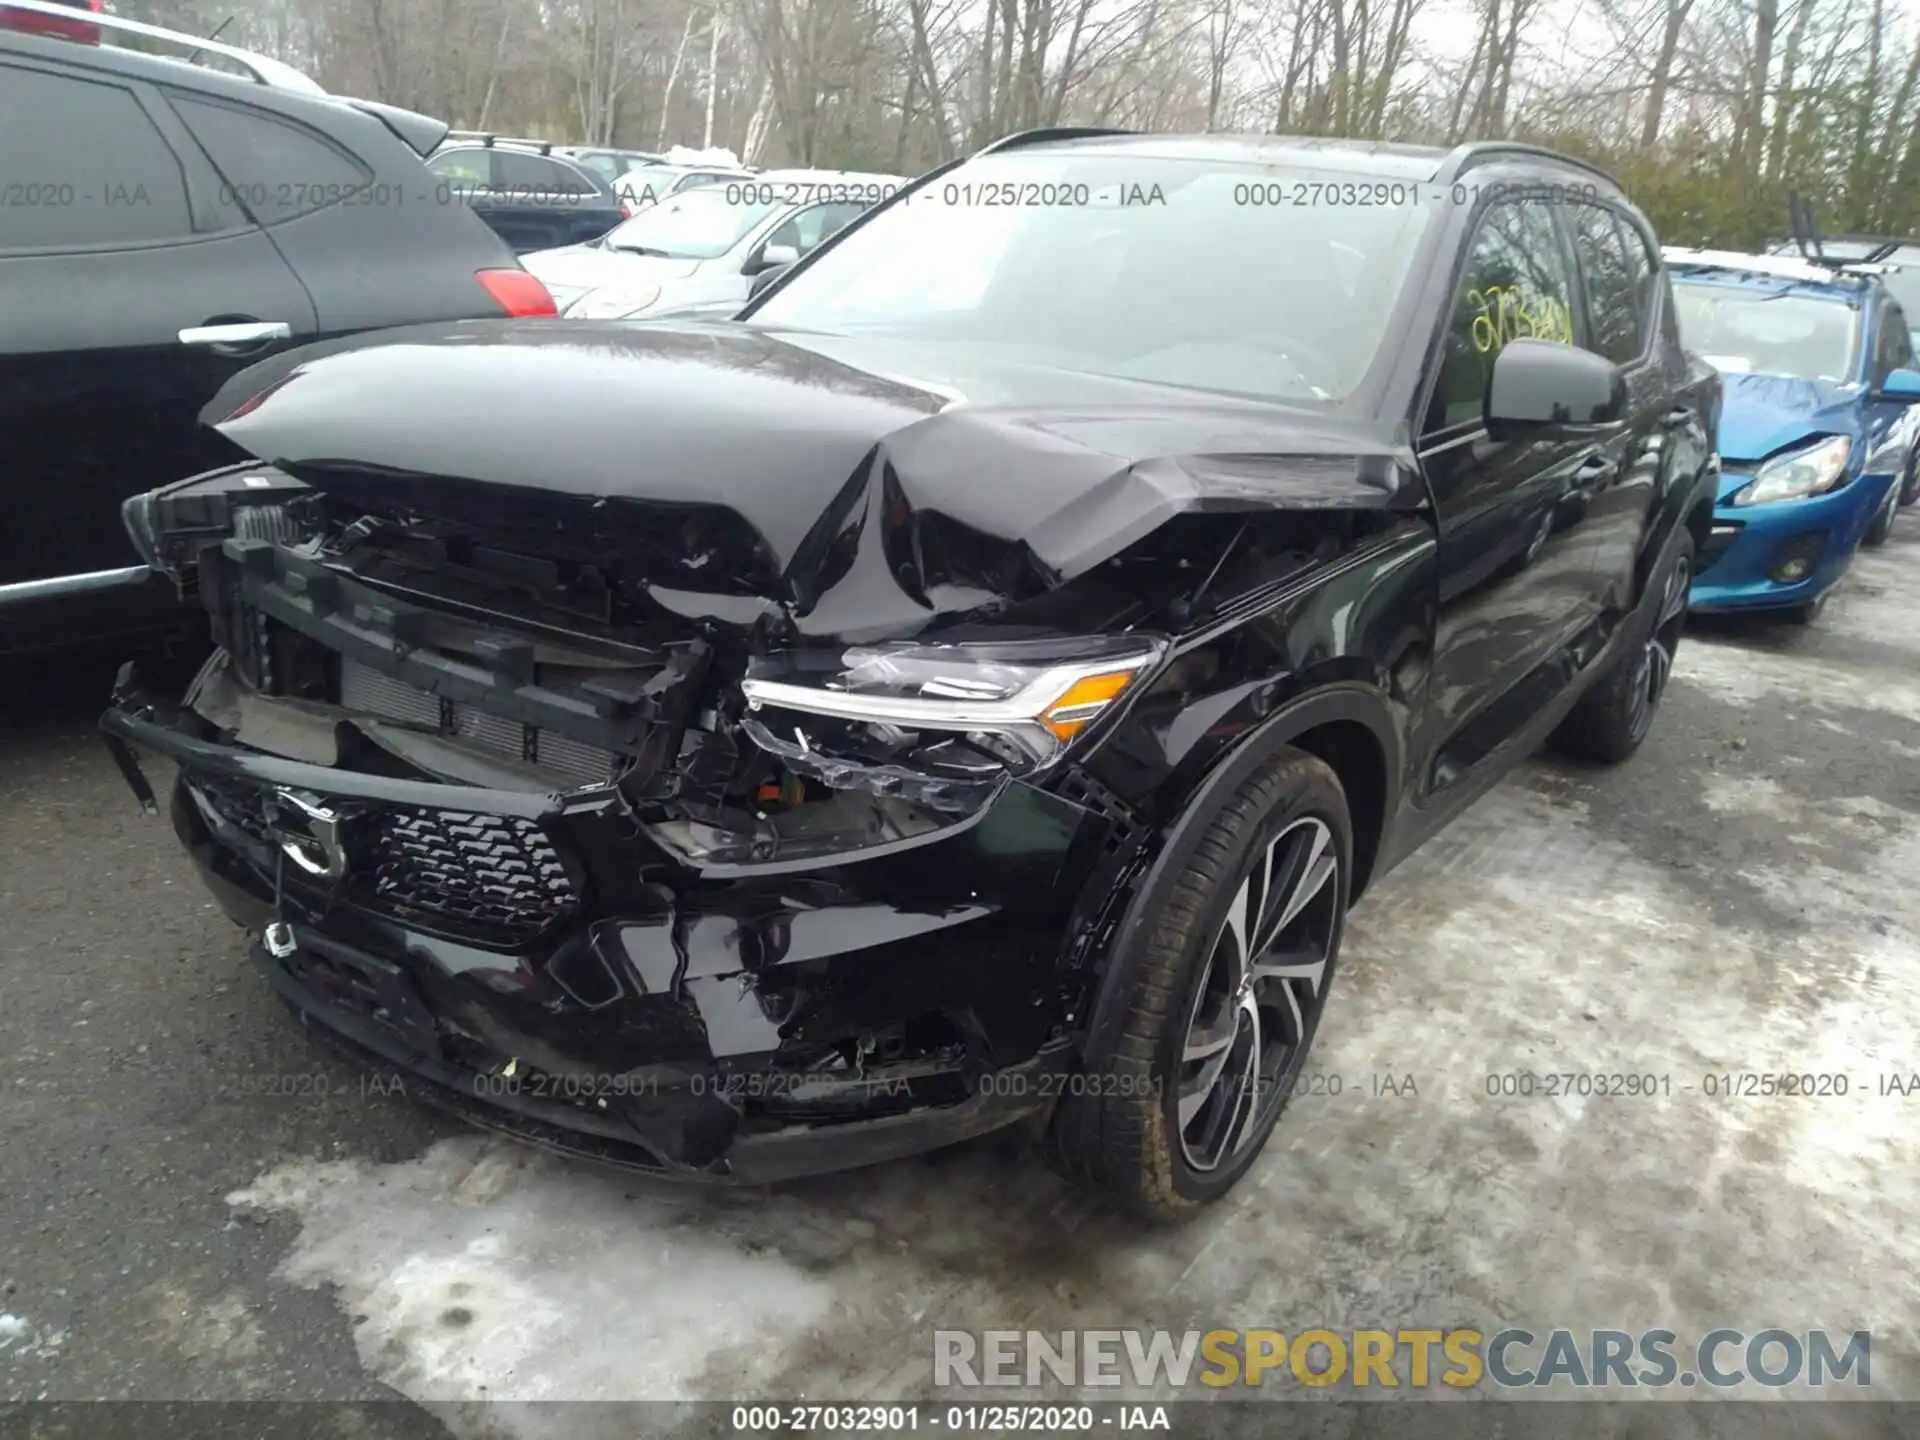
[1085, 699]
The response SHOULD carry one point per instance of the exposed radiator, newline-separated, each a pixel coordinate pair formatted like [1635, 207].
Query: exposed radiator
[366, 690]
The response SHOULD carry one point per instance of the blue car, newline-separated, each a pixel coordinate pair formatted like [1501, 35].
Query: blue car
[1817, 437]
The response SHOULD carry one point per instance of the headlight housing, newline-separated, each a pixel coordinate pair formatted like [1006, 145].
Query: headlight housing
[612, 302]
[937, 722]
[1811, 470]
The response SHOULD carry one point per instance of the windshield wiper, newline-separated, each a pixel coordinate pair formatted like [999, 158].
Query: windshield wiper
[641, 250]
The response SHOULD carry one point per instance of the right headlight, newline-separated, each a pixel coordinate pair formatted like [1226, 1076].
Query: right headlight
[1811, 470]
[960, 710]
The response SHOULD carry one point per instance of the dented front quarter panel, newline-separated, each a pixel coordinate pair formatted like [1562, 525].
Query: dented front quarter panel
[1357, 623]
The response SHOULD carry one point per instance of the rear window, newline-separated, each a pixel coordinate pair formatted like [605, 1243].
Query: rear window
[273, 167]
[84, 167]
[535, 176]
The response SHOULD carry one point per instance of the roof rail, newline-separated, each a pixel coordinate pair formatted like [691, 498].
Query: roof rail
[489, 139]
[1479, 152]
[1783, 267]
[1021, 138]
[263, 69]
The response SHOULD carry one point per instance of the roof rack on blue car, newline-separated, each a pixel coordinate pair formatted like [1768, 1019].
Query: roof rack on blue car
[1782, 267]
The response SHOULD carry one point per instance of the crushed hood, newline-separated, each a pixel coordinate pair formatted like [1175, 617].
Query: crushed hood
[1762, 414]
[862, 485]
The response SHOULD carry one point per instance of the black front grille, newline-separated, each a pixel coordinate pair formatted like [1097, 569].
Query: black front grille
[482, 872]
[490, 877]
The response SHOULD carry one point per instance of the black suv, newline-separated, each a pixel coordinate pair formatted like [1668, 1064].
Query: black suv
[164, 224]
[1026, 629]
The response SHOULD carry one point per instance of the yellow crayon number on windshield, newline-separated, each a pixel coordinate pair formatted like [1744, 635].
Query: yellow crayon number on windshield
[1507, 312]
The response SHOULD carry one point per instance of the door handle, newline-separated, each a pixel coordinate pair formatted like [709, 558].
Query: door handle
[249, 332]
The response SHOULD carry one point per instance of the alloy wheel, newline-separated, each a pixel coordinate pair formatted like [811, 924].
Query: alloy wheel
[1256, 1006]
[1656, 662]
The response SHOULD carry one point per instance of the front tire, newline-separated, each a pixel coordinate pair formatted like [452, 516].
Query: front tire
[1882, 525]
[1224, 1001]
[1613, 717]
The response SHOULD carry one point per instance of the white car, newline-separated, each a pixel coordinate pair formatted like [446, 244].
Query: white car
[608, 164]
[705, 245]
[648, 185]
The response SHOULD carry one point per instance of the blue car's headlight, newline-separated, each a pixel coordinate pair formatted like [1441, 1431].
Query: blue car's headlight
[1812, 470]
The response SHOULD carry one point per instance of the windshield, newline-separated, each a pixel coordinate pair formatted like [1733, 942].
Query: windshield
[696, 225]
[602, 164]
[1741, 331]
[1243, 279]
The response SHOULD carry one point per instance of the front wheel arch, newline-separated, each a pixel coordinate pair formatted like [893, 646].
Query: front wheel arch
[1341, 720]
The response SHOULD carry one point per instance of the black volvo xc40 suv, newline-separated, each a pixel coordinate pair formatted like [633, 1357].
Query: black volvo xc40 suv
[970, 685]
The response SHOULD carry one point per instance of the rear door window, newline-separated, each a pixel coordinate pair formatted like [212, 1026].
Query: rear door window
[535, 177]
[275, 168]
[463, 169]
[82, 165]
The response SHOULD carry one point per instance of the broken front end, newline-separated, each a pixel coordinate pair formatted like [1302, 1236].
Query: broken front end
[627, 882]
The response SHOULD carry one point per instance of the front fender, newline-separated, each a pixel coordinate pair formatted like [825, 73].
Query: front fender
[1345, 702]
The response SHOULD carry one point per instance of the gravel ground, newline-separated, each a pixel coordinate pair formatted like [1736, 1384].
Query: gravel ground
[197, 1203]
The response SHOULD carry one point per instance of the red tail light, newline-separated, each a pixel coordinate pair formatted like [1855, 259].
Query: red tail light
[517, 292]
[59, 27]
[626, 211]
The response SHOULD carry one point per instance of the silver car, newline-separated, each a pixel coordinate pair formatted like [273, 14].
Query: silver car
[707, 245]
[647, 185]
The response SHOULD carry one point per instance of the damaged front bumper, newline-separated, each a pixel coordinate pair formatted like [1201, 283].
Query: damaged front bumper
[540, 965]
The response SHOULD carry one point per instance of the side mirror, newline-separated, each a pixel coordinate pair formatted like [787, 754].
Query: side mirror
[1902, 385]
[764, 279]
[772, 257]
[1538, 383]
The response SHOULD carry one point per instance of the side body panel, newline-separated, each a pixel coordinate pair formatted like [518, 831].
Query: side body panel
[98, 396]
